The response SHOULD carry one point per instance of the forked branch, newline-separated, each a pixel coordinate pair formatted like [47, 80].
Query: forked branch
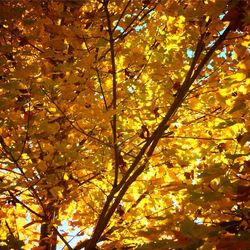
[147, 150]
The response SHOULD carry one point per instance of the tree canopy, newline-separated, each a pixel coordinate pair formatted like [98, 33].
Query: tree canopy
[124, 124]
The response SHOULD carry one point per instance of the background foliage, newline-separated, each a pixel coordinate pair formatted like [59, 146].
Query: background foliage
[124, 124]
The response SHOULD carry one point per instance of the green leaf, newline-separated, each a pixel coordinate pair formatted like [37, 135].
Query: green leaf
[239, 105]
[225, 124]
[235, 156]
[196, 198]
[57, 191]
[12, 243]
[195, 245]
[159, 245]
[211, 196]
[187, 226]
[5, 48]
[191, 229]
[28, 22]
[101, 43]
[242, 139]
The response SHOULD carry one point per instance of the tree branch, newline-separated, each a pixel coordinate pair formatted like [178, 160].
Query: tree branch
[12, 158]
[121, 16]
[62, 238]
[77, 128]
[198, 138]
[114, 120]
[102, 91]
[25, 206]
[151, 143]
[28, 125]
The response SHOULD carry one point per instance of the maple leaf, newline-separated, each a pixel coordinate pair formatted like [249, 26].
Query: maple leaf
[126, 121]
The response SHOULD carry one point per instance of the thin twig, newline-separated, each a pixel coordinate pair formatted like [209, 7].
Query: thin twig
[28, 125]
[62, 238]
[24, 205]
[102, 91]
[198, 138]
[77, 128]
[114, 101]
[121, 16]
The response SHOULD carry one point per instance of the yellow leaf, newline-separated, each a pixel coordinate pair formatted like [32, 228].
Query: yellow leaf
[109, 83]
[57, 191]
[173, 176]
[25, 156]
[65, 177]
[52, 109]
[238, 77]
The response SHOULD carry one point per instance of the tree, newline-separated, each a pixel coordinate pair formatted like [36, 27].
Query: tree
[127, 121]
